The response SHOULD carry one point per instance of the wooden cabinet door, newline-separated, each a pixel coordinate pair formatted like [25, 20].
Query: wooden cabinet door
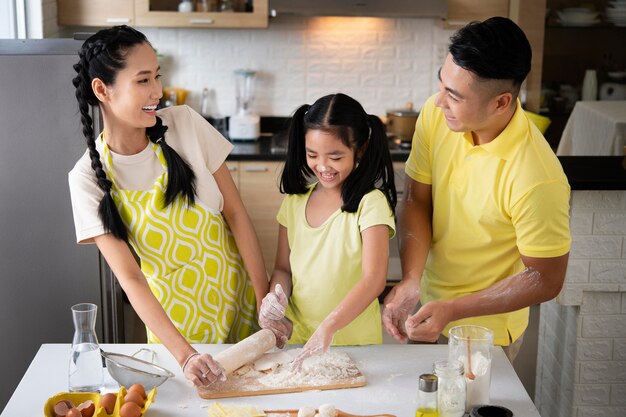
[95, 12]
[461, 12]
[258, 187]
[158, 14]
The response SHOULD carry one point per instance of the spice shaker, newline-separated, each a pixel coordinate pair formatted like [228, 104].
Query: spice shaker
[427, 396]
[451, 388]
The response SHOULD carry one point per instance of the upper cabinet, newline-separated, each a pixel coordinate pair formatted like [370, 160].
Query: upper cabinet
[95, 12]
[162, 13]
[461, 12]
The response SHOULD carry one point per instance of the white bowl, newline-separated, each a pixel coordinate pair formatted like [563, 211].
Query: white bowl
[578, 17]
[617, 75]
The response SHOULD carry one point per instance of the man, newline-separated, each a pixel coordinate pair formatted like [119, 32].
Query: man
[484, 225]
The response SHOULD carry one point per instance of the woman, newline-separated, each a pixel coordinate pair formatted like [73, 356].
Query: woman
[157, 181]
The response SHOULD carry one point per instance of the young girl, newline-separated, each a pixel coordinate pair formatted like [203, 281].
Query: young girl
[334, 233]
[157, 181]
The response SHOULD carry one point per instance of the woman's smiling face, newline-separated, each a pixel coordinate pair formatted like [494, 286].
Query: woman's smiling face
[329, 158]
[136, 91]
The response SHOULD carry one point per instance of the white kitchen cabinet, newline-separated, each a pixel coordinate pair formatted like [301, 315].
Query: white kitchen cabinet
[159, 13]
[258, 186]
[95, 12]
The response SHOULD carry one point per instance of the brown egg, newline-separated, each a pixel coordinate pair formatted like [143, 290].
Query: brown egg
[74, 412]
[62, 407]
[138, 388]
[87, 408]
[130, 409]
[135, 397]
[107, 401]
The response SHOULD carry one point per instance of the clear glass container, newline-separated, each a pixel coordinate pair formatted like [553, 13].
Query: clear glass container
[451, 388]
[427, 396]
[473, 346]
[85, 368]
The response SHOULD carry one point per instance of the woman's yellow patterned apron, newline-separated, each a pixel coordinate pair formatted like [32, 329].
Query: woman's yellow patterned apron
[190, 260]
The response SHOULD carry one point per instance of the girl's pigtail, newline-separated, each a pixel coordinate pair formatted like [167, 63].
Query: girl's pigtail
[374, 169]
[181, 178]
[107, 212]
[294, 179]
[379, 145]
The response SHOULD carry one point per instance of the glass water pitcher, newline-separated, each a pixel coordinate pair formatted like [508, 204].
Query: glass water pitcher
[85, 367]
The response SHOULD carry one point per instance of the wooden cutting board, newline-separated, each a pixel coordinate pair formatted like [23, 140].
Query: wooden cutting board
[248, 384]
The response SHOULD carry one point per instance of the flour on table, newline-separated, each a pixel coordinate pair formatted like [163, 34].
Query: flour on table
[317, 370]
[272, 360]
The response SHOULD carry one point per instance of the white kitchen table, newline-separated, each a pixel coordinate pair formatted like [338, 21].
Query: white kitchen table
[392, 373]
[595, 128]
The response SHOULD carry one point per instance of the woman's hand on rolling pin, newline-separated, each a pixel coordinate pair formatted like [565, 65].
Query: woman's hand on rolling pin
[272, 315]
[202, 370]
[274, 305]
[318, 343]
[281, 328]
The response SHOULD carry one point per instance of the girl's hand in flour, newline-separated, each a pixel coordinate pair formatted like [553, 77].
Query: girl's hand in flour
[318, 343]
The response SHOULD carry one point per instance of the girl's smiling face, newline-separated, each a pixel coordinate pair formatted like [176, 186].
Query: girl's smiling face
[329, 158]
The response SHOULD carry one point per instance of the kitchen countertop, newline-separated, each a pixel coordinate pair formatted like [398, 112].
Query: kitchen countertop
[392, 373]
[269, 148]
[583, 172]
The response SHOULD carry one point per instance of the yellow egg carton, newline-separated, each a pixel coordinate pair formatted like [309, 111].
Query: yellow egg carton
[80, 397]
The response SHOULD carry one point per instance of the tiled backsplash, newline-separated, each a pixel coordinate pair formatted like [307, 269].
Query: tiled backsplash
[581, 368]
[383, 63]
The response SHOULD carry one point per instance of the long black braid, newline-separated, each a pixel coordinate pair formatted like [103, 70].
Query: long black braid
[102, 56]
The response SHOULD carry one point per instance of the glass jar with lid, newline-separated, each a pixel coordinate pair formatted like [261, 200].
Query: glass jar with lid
[451, 391]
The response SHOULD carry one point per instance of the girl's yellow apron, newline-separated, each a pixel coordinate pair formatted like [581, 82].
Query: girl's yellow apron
[190, 260]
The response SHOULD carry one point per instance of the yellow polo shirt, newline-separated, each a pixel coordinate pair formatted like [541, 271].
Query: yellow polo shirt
[491, 203]
[326, 263]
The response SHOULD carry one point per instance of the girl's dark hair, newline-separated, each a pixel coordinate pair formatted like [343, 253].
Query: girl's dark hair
[102, 56]
[344, 117]
[494, 49]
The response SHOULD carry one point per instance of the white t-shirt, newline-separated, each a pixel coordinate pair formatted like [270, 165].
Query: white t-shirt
[189, 134]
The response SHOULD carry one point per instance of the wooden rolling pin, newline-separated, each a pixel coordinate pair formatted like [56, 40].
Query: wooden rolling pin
[248, 350]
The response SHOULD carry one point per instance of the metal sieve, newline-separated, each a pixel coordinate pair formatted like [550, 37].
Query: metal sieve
[129, 370]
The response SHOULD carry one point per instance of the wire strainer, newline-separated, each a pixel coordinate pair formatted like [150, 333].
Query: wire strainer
[129, 370]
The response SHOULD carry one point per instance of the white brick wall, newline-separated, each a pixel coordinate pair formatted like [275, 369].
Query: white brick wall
[383, 63]
[583, 332]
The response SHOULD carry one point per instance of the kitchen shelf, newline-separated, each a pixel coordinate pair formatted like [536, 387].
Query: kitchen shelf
[157, 16]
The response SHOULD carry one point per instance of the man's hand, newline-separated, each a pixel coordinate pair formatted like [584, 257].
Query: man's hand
[427, 324]
[398, 305]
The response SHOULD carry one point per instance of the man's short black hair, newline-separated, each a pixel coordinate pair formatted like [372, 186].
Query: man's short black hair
[494, 49]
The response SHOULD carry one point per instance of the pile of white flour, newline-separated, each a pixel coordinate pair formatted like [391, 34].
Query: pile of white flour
[316, 371]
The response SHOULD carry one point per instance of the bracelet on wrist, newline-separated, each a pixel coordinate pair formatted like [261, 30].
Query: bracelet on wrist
[188, 359]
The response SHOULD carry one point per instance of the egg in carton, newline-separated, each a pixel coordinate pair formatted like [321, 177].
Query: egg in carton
[101, 403]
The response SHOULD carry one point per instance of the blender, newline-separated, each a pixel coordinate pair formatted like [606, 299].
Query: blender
[245, 123]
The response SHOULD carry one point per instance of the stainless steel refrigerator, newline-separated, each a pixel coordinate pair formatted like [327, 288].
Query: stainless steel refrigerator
[43, 272]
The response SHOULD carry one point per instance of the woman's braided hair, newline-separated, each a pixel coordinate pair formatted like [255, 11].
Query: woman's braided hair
[102, 56]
